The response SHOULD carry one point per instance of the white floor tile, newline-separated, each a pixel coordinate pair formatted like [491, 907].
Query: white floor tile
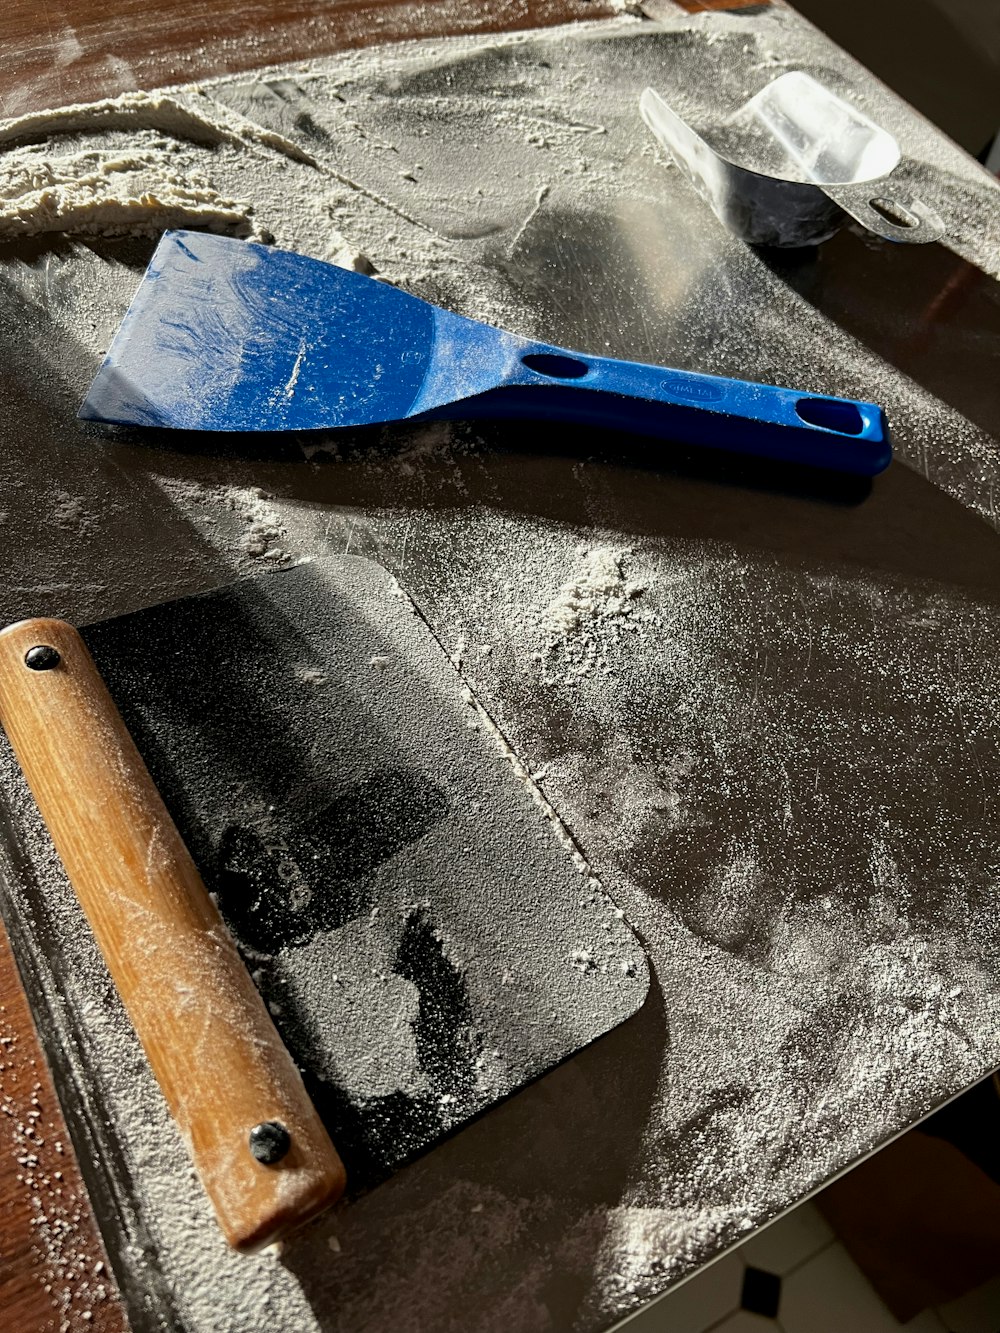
[786, 1243]
[829, 1294]
[976, 1312]
[695, 1306]
[745, 1322]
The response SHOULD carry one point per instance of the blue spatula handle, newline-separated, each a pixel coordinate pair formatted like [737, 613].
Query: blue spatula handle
[837, 433]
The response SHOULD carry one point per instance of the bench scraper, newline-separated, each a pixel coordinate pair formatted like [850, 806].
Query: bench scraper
[419, 932]
[228, 335]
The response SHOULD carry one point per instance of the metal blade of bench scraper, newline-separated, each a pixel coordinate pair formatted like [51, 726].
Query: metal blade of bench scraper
[425, 942]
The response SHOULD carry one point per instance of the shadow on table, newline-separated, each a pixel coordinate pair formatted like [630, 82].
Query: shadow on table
[516, 1232]
[899, 523]
[922, 308]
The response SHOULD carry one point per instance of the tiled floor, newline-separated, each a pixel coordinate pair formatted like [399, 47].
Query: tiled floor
[796, 1277]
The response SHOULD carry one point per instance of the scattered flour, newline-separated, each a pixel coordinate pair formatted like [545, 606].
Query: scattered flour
[826, 961]
[138, 178]
[341, 252]
[597, 604]
[597, 593]
[311, 675]
[70, 513]
[50, 1188]
[113, 192]
[265, 530]
[184, 113]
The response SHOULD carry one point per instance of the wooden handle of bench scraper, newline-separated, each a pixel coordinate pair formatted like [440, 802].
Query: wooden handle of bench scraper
[259, 1146]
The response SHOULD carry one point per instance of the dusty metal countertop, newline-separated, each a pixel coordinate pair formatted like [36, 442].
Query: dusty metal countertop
[782, 765]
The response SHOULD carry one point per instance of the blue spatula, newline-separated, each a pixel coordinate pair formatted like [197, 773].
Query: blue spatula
[226, 335]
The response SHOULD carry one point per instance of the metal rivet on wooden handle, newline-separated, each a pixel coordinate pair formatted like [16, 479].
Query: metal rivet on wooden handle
[206, 1032]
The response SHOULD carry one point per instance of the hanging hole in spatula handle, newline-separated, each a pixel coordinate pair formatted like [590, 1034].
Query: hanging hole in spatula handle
[889, 213]
[685, 407]
[556, 365]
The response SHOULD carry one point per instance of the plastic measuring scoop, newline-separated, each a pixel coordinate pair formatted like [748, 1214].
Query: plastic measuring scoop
[225, 335]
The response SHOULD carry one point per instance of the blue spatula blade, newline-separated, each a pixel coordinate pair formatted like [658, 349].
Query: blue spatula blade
[225, 335]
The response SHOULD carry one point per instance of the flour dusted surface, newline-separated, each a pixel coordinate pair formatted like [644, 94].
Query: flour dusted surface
[138, 176]
[768, 718]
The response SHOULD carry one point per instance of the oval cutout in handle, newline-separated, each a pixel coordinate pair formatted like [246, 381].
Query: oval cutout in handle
[555, 365]
[831, 414]
[890, 213]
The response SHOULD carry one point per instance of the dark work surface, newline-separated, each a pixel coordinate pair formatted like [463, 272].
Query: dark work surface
[789, 784]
